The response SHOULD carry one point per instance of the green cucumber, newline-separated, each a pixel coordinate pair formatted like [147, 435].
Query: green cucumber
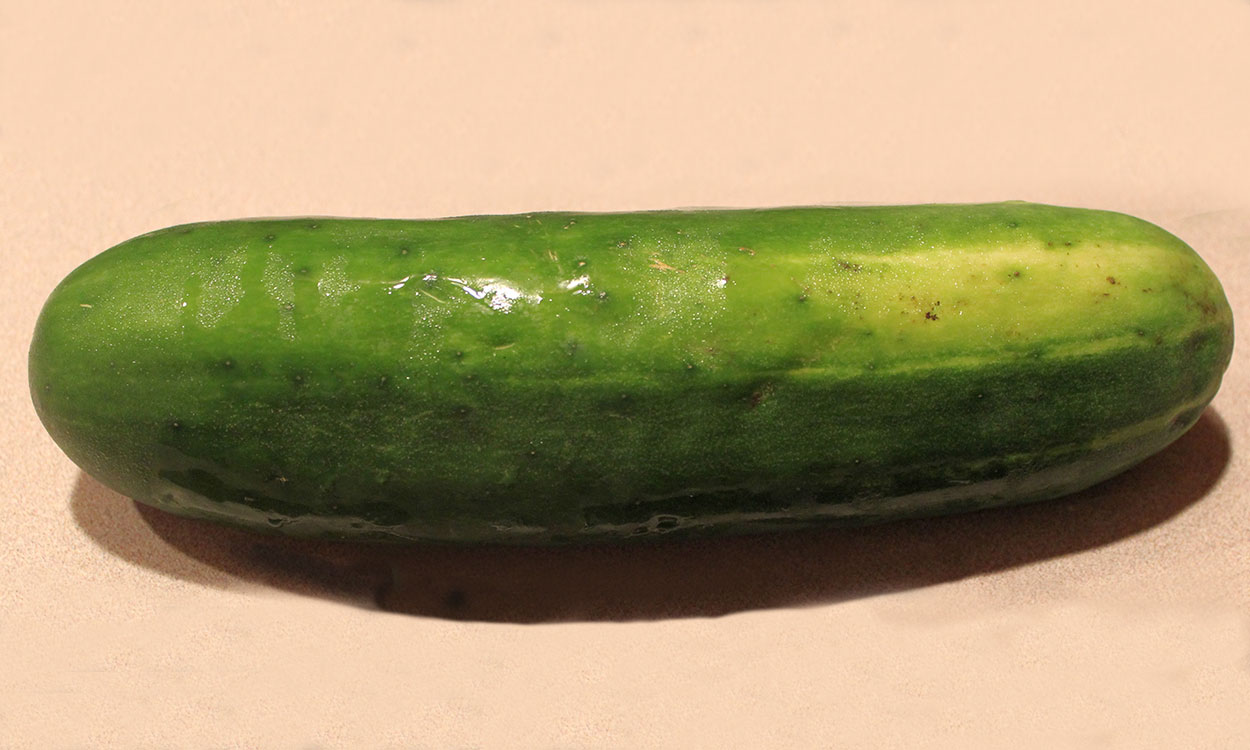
[562, 377]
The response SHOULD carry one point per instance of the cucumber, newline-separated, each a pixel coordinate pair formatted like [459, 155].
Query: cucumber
[558, 377]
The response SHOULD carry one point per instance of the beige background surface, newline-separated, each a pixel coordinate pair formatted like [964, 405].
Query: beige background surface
[1119, 618]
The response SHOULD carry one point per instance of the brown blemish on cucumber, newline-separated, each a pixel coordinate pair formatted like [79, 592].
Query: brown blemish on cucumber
[666, 523]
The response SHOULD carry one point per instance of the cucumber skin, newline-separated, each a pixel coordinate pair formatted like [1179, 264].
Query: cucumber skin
[551, 378]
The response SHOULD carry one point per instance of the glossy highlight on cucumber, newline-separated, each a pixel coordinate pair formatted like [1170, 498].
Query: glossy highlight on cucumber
[567, 377]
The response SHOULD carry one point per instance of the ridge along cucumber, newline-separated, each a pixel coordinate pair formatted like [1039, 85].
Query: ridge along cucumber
[557, 377]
